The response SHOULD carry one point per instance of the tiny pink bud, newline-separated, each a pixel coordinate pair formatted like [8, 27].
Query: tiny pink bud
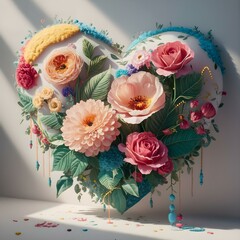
[200, 130]
[194, 103]
[184, 124]
[137, 176]
[208, 110]
[196, 116]
[45, 141]
[167, 131]
[36, 130]
[224, 93]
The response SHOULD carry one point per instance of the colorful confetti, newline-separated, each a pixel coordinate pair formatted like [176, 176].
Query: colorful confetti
[85, 230]
[69, 230]
[18, 233]
[47, 225]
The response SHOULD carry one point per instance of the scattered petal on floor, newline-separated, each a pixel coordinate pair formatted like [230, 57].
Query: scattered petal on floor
[18, 233]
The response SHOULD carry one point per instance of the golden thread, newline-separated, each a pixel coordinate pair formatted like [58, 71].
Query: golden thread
[43, 163]
[179, 104]
[201, 157]
[49, 163]
[192, 182]
[209, 72]
[109, 209]
[36, 148]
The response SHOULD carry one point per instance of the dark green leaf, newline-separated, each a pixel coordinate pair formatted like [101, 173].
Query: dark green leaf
[163, 119]
[188, 86]
[155, 179]
[126, 129]
[110, 180]
[221, 105]
[53, 120]
[114, 57]
[130, 186]
[182, 142]
[88, 48]
[77, 189]
[63, 184]
[25, 102]
[96, 65]
[118, 200]
[174, 176]
[97, 87]
[79, 164]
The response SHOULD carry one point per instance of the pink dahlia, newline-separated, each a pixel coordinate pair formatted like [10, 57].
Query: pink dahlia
[141, 58]
[90, 127]
[26, 75]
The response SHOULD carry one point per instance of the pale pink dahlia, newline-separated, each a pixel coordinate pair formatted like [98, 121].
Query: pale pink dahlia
[90, 127]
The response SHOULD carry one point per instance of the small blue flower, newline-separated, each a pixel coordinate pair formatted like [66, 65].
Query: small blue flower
[131, 69]
[66, 91]
[121, 72]
[111, 159]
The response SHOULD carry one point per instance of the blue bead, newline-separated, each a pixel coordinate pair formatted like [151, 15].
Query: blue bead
[201, 177]
[171, 197]
[172, 207]
[172, 217]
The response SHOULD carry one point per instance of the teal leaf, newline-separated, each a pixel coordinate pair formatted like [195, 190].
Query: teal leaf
[87, 48]
[163, 119]
[110, 179]
[69, 160]
[63, 184]
[126, 129]
[155, 179]
[189, 86]
[118, 200]
[130, 186]
[53, 120]
[182, 142]
[25, 102]
[114, 57]
[97, 87]
[96, 65]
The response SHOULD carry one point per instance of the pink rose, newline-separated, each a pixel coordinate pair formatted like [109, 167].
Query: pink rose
[137, 97]
[166, 168]
[26, 75]
[208, 110]
[200, 130]
[145, 151]
[171, 57]
[196, 116]
[141, 58]
[184, 124]
[62, 65]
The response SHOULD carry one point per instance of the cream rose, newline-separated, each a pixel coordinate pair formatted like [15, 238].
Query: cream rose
[54, 105]
[37, 101]
[46, 93]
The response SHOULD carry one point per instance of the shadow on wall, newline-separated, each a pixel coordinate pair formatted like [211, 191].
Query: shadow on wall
[30, 10]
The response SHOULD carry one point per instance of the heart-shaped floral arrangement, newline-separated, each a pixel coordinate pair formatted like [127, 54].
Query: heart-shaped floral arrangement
[119, 123]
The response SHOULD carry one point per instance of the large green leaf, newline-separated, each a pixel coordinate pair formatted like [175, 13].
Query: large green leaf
[163, 119]
[25, 101]
[53, 120]
[155, 179]
[182, 142]
[118, 200]
[188, 86]
[130, 186]
[97, 87]
[126, 129]
[69, 160]
[87, 48]
[96, 65]
[63, 184]
[110, 179]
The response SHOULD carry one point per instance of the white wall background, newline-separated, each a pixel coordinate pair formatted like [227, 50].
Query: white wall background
[220, 195]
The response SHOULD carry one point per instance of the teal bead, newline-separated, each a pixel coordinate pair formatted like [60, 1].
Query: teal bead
[171, 197]
[172, 217]
[172, 207]
[201, 177]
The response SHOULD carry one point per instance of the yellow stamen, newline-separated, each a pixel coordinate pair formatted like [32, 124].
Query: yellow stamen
[139, 102]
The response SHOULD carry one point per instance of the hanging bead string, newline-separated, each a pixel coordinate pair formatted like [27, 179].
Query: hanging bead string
[192, 182]
[109, 210]
[49, 168]
[172, 215]
[201, 170]
[179, 216]
[43, 164]
[209, 71]
[31, 142]
[37, 162]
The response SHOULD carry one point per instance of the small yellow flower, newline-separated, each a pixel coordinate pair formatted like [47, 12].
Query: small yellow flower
[46, 93]
[37, 101]
[54, 105]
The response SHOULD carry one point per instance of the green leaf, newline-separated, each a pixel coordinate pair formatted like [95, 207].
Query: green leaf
[130, 186]
[77, 189]
[118, 200]
[63, 184]
[155, 179]
[114, 57]
[182, 142]
[97, 87]
[53, 120]
[66, 159]
[96, 65]
[87, 48]
[109, 179]
[26, 102]
[163, 119]
[126, 129]
[188, 86]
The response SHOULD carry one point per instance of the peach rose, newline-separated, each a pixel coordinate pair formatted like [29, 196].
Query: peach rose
[171, 57]
[62, 65]
[136, 97]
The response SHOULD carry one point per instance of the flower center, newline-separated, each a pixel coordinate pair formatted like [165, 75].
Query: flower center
[139, 102]
[89, 120]
[60, 62]
[139, 56]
